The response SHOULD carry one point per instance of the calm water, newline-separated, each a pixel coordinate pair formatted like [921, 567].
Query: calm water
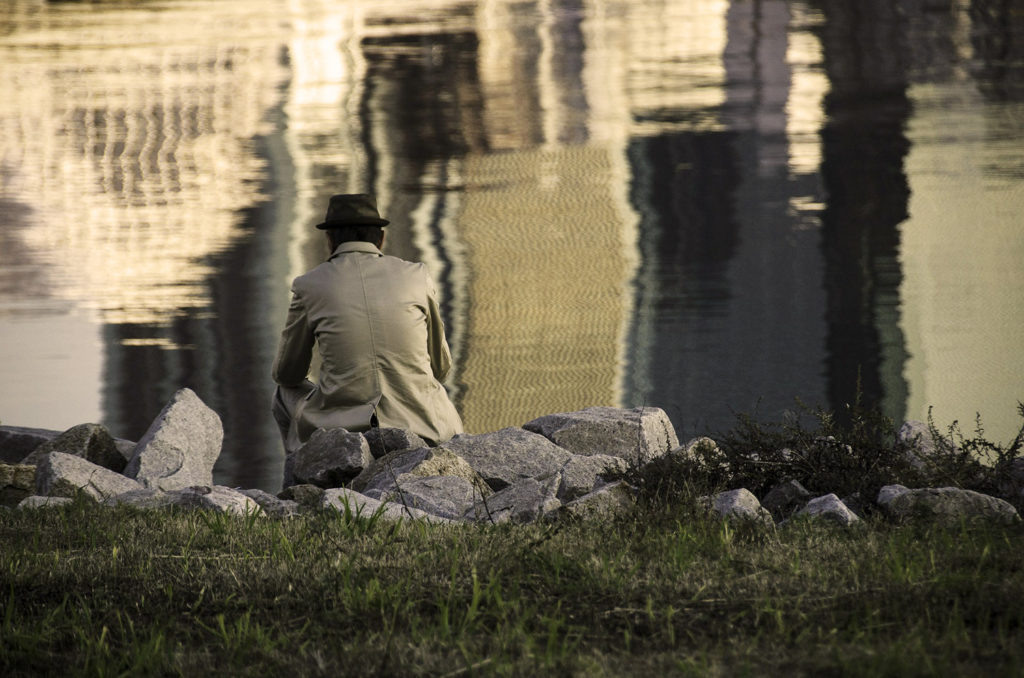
[707, 206]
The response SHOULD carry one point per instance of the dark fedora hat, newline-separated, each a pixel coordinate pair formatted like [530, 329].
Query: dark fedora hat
[352, 209]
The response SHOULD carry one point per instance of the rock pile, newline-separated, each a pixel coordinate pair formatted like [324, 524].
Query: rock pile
[567, 464]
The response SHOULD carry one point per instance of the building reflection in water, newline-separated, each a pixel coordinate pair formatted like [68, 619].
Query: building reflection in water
[695, 205]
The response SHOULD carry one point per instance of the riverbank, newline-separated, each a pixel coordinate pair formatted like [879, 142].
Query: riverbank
[667, 588]
[92, 590]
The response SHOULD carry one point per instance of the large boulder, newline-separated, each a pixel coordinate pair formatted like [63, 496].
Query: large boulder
[91, 442]
[637, 435]
[522, 502]
[382, 474]
[830, 508]
[330, 458]
[180, 447]
[17, 442]
[945, 505]
[65, 475]
[446, 496]
[17, 482]
[508, 456]
[360, 506]
[582, 475]
[385, 440]
[738, 504]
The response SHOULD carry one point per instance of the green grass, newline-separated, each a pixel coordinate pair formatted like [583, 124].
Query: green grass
[107, 592]
[94, 591]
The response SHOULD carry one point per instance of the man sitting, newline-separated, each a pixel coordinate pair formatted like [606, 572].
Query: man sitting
[377, 325]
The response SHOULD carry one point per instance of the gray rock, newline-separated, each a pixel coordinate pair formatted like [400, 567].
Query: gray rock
[271, 505]
[507, 456]
[180, 447]
[306, 496]
[948, 505]
[143, 498]
[888, 493]
[638, 435]
[216, 498]
[382, 474]
[923, 446]
[65, 475]
[582, 475]
[37, 502]
[785, 499]
[738, 504]
[608, 501]
[91, 442]
[361, 506]
[829, 507]
[17, 442]
[17, 482]
[523, 502]
[386, 440]
[445, 496]
[330, 458]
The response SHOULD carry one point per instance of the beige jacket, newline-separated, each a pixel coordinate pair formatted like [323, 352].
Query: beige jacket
[376, 322]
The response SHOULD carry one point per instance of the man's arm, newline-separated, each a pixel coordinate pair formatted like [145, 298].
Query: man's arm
[295, 350]
[437, 345]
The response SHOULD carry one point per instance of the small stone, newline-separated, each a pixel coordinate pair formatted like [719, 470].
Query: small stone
[271, 505]
[306, 496]
[386, 440]
[608, 501]
[582, 475]
[37, 502]
[217, 498]
[142, 498]
[523, 502]
[382, 474]
[888, 493]
[739, 504]
[330, 458]
[785, 499]
[445, 496]
[360, 506]
[829, 507]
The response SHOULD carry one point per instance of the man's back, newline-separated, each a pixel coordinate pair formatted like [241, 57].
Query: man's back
[376, 322]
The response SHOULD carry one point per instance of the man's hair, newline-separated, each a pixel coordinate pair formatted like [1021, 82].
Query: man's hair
[370, 234]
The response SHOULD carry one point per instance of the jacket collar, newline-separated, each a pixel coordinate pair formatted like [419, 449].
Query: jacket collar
[356, 246]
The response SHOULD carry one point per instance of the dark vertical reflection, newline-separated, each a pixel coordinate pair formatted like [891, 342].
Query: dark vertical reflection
[998, 41]
[223, 352]
[423, 97]
[683, 187]
[864, 147]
